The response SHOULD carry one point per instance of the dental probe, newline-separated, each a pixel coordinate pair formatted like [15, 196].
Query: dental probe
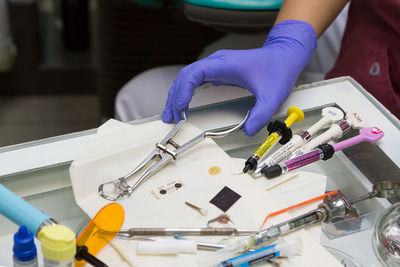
[198, 245]
[324, 152]
[329, 115]
[181, 231]
[353, 120]
[279, 131]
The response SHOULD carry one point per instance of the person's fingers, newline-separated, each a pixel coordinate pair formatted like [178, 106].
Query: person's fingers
[259, 116]
[167, 115]
[196, 74]
[189, 79]
[209, 69]
[177, 113]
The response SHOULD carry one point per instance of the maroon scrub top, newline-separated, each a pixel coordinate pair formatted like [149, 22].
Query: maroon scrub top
[370, 51]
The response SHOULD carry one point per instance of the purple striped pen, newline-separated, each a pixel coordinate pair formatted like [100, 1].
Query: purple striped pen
[324, 152]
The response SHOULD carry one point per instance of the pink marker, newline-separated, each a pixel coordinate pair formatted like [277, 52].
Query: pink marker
[324, 152]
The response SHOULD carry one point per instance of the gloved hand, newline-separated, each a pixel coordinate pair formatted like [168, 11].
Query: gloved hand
[269, 72]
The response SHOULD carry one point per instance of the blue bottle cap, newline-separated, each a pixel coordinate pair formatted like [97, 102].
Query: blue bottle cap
[24, 246]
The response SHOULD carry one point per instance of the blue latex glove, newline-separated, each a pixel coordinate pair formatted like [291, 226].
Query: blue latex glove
[269, 72]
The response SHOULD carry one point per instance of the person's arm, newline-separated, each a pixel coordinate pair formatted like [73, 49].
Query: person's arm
[269, 72]
[319, 13]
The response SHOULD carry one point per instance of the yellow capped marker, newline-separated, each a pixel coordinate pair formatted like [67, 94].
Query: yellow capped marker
[279, 131]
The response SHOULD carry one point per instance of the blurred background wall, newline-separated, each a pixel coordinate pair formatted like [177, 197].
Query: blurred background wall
[72, 57]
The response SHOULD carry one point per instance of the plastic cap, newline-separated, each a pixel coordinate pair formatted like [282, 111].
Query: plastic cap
[58, 242]
[355, 119]
[272, 171]
[332, 114]
[294, 115]
[24, 246]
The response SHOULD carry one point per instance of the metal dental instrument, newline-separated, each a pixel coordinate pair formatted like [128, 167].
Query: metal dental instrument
[223, 219]
[384, 189]
[133, 232]
[329, 115]
[353, 120]
[200, 245]
[164, 155]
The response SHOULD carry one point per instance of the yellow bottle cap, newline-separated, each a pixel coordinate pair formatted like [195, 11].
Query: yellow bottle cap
[294, 115]
[58, 242]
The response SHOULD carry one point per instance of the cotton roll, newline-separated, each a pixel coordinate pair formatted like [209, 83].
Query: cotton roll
[157, 247]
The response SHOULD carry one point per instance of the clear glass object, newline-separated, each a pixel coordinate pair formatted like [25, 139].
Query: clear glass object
[348, 225]
[386, 237]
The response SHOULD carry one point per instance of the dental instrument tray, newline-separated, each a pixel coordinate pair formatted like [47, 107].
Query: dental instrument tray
[39, 170]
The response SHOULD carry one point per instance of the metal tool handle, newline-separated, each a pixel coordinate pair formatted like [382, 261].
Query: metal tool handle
[383, 189]
[209, 134]
[180, 231]
[120, 185]
[165, 140]
[222, 134]
[362, 198]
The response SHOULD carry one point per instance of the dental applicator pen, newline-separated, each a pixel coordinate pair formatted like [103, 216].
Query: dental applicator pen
[279, 131]
[324, 152]
[329, 115]
[353, 120]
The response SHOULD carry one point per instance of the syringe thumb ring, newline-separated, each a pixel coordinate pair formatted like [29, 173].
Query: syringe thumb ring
[278, 126]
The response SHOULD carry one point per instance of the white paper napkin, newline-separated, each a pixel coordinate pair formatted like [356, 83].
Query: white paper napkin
[119, 148]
